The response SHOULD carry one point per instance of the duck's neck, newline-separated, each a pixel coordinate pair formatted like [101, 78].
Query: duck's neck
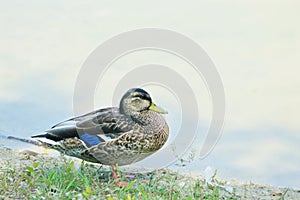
[145, 117]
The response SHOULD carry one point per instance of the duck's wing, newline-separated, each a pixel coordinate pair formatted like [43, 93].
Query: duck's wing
[74, 120]
[103, 126]
[92, 128]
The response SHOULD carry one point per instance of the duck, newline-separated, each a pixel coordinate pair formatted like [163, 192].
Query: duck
[112, 136]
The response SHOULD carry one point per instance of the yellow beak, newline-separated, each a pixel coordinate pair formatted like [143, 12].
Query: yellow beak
[157, 109]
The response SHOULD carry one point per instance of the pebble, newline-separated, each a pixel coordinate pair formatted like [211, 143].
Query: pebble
[29, 152]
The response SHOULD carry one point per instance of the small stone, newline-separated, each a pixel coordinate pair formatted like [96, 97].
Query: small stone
[228, 189]
[29, 152]
[276, 194]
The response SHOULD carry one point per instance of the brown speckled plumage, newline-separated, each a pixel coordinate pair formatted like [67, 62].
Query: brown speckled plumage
[122, 136]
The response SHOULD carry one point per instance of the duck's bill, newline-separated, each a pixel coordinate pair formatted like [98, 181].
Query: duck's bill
[157, 109]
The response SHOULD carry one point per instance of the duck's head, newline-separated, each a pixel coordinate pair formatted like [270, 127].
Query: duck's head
[137, 100]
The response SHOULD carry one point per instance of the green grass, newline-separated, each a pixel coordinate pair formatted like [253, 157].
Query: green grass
[61, 180]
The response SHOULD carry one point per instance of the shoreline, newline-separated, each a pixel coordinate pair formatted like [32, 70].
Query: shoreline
[229, 189]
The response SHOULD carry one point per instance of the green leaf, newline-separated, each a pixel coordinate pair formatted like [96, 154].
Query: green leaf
[85, 195]
[130, 185]
[88, 190]
[72, 164]
[30, 169]
[35, 164]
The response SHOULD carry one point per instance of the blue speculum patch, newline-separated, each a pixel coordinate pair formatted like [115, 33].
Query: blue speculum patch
[90, 140]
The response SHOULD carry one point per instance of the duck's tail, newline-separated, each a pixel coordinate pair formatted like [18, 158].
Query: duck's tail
[71, 147]
[37, 143]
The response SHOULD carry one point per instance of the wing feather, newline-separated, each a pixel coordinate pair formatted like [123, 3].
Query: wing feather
[92, 128]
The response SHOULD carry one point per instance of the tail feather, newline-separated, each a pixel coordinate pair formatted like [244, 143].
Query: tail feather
[49, 136]
[59, 133]
[72, 147]
[38, 143]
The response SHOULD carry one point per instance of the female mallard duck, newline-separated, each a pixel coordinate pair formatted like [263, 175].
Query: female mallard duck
[112, 136]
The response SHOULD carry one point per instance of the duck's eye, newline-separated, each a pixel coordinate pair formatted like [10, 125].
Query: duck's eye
[135, 100]
[142, 97]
